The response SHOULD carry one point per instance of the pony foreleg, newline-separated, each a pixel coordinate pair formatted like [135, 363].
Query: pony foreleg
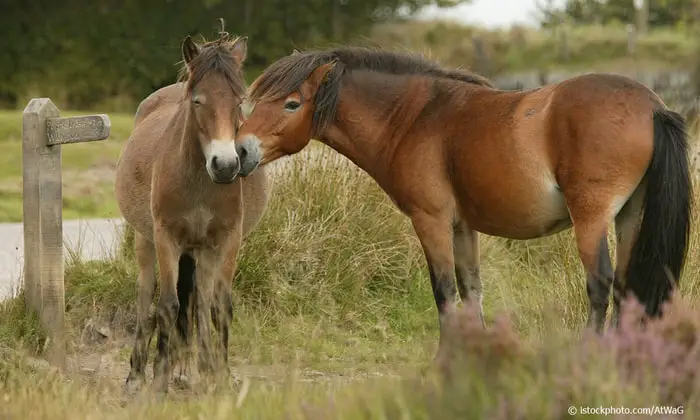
[206, 274]
[222, 309]
[168, 305]
[222, 312]
[435, 235]
[145, 323]
[466, 255]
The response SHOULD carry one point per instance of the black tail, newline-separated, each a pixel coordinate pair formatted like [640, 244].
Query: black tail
[659, 253]
[185, 287]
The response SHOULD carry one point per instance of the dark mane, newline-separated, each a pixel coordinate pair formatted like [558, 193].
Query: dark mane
[286, 75]
[214, 56]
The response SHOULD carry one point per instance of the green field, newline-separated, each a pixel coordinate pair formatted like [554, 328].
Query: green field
[88, 169]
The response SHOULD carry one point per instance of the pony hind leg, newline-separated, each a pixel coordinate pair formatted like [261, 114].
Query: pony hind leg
[599, 280]
[181, 347]
[627, 224]
[145, 322]
[466, 257]
[590, 228]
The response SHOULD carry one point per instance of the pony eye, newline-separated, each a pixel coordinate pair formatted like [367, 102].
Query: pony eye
[196, 101]
[291, 105]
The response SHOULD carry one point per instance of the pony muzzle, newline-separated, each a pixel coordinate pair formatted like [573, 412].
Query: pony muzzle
[222, 161]
[250, 154]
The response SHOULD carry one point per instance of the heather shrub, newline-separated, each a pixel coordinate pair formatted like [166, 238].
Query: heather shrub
[664, 352]
[495, 373]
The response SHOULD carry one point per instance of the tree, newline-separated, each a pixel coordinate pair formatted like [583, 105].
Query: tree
[83, 51]
[660, 12]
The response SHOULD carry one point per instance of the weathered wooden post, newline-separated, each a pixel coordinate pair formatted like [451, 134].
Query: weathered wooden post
[43, 133]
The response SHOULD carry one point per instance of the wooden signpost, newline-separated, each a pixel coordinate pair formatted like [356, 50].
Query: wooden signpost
[43, 133]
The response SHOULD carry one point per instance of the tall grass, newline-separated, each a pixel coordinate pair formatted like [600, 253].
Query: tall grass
[334, 318]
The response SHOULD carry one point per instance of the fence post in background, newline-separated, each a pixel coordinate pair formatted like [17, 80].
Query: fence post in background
[631, 39]
[641, 8]
[482, 61]
[563, 42]
[43, 132]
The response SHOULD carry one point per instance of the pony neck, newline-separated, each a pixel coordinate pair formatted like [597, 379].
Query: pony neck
[374, 115]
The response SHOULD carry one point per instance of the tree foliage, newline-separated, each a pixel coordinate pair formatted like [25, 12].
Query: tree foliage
[83, 52]
[661, 12]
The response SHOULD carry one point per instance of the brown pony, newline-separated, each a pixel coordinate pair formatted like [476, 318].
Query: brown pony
[177, 186]
[459, 157]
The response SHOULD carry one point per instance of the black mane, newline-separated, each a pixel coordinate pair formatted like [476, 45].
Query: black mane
[286, 75]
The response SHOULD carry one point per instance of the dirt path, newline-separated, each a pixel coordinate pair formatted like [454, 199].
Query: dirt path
[102, 362]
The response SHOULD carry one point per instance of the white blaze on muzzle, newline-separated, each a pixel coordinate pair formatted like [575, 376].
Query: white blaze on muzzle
[222, 160]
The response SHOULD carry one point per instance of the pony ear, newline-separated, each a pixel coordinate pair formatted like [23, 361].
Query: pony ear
[316, 78]
[239, 49]
[190, 50]
[295, 52]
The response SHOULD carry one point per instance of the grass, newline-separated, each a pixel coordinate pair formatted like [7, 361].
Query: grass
[334, 318]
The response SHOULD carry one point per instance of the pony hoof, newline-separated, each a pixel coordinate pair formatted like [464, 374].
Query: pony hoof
[159, 386]
[160, 393]
[134, 384]
[185, 382]
[235, 380]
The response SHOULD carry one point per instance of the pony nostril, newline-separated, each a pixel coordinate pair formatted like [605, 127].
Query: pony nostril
[244, 152]
[214, 164]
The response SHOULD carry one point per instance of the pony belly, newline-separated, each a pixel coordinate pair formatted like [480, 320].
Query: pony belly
[542, 212]
[134, 203]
